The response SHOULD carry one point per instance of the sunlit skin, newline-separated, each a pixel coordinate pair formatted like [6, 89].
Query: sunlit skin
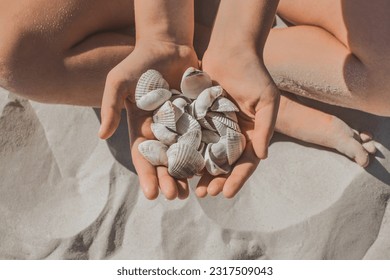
[71, 52]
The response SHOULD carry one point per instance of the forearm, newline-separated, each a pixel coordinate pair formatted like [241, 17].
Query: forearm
[165, 20]
[244, 23]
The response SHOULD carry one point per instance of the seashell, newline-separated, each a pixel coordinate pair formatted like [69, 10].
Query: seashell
[218, 151]
[202, 148]
[150, 80]
[194, 81]
[186, 123]
[205, 100]
[235, 145]
[206, 124]
[166, 115]
[211, 166]
[231, 115]
[180, 102]
[154, 151]
[221, 122]
[184, 161]
[175, 91]
[163, 134]
[191, 138]
[153, 99]
[191, 108]
[209, 136]
[222, 104]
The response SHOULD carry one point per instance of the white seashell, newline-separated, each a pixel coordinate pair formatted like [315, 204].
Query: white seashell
[178, 111]
[212, 167]
[180, 102]
[235, 145]
[191, 138]
[154, 151]
[205, 100]
[202, 148]
[222, 104]
[150, 80]
[194, 81]
[163, 134]
[191, 109]
[221, 122]
[153, 99]
[186, 123]
[206, 124]
[231, 115]
[184, 161]
[166, 115]
[175, 91]
[209, 136]
[218, 151]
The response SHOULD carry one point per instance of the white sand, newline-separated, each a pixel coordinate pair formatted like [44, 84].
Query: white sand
[63, 194]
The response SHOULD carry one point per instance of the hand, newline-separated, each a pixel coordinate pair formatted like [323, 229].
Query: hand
[243, 75]
[171, 61]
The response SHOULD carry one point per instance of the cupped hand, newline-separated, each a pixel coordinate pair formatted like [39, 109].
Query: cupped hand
[247, 82]
[171, 61]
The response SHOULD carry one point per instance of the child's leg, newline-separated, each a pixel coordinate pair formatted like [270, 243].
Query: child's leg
[313, 126]
[337, 53]
[61, 51]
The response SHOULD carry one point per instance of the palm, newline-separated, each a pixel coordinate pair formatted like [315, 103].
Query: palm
[119, 91]
[249, 85]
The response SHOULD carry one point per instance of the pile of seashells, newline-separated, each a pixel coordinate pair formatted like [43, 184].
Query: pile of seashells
[195, 128]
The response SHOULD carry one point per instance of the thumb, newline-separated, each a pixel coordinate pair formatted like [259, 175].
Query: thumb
[114, 96]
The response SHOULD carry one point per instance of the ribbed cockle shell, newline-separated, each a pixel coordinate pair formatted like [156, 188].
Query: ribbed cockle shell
[235, 145]
[205, 100]
[209, 136]
[221, 122]
[154, 151]
[186, 123]
[211, 164]
[194, 81]
[153, 99]
[166, 115]
[163, 134]
[191, 138]
[184, 161]
[150, 80]
[222, 104]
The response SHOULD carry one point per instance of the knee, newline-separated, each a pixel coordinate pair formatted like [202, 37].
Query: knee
[26, 61]
[368, 83]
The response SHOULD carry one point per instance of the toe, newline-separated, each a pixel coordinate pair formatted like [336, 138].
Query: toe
[365, 136]
[369, 147]
[362, 158]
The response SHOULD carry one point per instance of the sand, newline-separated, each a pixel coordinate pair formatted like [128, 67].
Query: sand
[65, 194]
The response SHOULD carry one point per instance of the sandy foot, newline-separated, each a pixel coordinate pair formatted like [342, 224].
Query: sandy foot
[357, 146]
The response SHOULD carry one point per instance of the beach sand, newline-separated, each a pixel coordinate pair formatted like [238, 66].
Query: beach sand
[65, 194]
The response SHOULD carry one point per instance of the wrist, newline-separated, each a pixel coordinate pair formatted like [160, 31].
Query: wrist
[223, 52]
[164, 35]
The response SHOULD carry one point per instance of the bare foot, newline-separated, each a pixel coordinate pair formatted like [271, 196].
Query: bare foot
[355, 145]
[314, 126]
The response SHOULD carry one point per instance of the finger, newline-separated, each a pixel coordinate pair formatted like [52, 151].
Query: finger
[113, 100]
[182, 188]
[201, 188]
[146, 172]
[167, 184]
[241, 172]
[216, 185]
[265, 119]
